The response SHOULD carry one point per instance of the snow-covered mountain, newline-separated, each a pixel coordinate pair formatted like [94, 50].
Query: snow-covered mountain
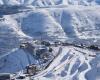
[10, 35]
[52, 2]
[76, 21]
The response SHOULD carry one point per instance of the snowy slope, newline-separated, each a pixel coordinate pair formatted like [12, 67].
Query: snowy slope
[77, 21]
[43, 25]
[15, 62]
[52, 2]
[71, 64]
[10, 35]
[65, 2]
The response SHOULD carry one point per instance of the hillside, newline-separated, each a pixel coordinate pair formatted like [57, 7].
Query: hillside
[73, 21]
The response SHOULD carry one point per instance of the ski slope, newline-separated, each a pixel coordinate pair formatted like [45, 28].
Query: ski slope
[74, 21]
[69, 65]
